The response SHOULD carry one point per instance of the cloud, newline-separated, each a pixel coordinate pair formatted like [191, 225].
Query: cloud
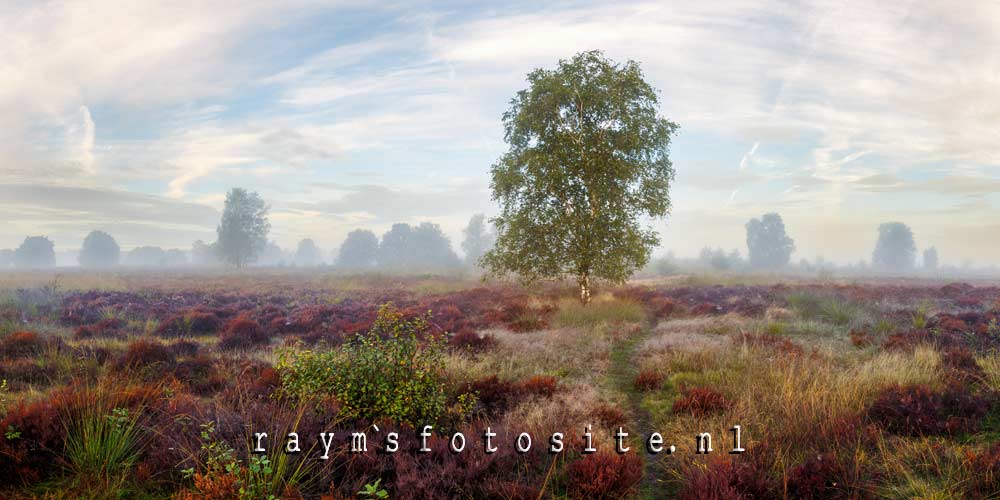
[70, 212]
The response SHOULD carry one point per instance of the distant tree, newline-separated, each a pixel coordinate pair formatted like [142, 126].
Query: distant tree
[308, 254]
[429, 248]
[717, 258]
[393, 250]
[147, 256]
[895, 249]
[588, 161]
[930, 259]
[359, 251]
[6, 258]
[99, 250]
[244, 227]
[478, 239]
[768, 245]
[175, 257]
[271, 255]
[204, 254]
[36, 252]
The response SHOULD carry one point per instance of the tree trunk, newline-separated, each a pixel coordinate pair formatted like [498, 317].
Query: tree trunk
[585, 288]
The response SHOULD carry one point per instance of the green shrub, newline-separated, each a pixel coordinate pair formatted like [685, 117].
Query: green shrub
[395, 371]
[102, 448]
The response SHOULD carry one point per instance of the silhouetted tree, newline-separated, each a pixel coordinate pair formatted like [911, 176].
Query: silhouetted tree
[394, 247]
[147, 256]
[99, 250]
[308, 254]
[895, 249]
[930, 259]
[244, 227]
[588, 162]
[429, 248]
[271, 255]
[359, 251]
[36, 252]
[768, 245]
[478, 239]
[6, 258]
[204, 254]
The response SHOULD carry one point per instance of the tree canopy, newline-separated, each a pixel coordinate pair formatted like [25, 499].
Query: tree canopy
[308, 254]
[36, 252]
[99, 250]
[767, 244]
[425, 246]
[146, 256]
[588, 159]
[930, 259]
[478, 239]
[895, 249]
[359, 250]
[244, 227]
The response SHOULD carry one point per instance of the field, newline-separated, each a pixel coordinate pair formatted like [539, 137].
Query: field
[147, 385]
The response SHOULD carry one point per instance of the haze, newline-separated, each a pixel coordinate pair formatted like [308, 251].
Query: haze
[135, 117]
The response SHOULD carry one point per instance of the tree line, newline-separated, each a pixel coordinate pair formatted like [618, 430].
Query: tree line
[242, 241]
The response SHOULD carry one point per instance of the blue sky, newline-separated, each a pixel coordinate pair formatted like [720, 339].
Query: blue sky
[135, 117]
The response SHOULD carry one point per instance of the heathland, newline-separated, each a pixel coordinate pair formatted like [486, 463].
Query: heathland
[156, 385]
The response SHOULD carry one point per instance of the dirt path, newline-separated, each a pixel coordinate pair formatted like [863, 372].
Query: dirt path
[621, 378]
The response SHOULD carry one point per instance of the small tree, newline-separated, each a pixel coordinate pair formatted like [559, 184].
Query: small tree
[99, 250]
[244, 227]
[147, 256]
[393, 250]
[429, 248]
[308, 254]
[768, 245]
[478, 239]
[36, 252]
[359, 250]
[931, 259]
[588, 160]
[895, 249]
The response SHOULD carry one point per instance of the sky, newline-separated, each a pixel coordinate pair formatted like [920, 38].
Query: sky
[135, 117]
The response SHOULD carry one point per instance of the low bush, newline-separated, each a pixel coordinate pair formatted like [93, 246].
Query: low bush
[540, 385]
[470, 341]
[193, 323]
[648, 380]
[820, 476]
[394, 371]
[242, 333]
[145, 352]
[22, 345]
[916, 410]
[700, 401]
[604, 475]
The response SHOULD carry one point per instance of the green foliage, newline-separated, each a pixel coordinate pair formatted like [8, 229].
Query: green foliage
[769, 246]
[478, 239]
[103, 447]
[396, 370]
[254, 481]
[99, 250]
[3, 397]
[244, 227]
[374, 490]
[895, 249]
[588, 160]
